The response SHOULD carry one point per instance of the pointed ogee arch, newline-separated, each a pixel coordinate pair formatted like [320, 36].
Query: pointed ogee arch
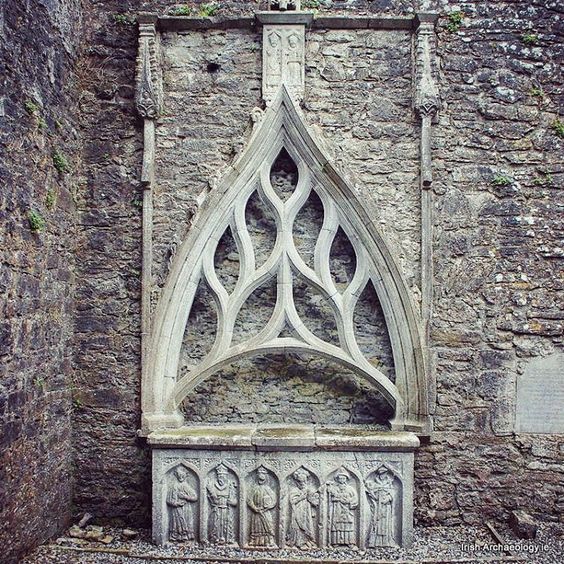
[283, 127]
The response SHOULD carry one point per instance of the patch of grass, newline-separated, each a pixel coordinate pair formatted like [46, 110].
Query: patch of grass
[50, 199]
[536, 92]
[530, 38]
[558, 127]
[545, 179]
[41, 123]
[60, 162]
[183, 11]
[311, 4]
[36, 221]
[502, 180]
[210, 9]
[455, 21]
[39, 382]
[31, 107]
[124, 19]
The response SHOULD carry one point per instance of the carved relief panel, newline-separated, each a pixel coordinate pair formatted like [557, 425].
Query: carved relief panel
[182, 500]
[383, 491]
[262, 499]
[303, 509]
[283, 60]
[222, 497]
[290, 500]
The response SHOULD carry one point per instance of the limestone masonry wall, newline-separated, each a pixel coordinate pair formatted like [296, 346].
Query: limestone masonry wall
[497, 157]
[39, 166]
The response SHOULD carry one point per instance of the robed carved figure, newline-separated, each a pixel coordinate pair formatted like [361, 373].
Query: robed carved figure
[222, 496]
[180, 499]
[381, 497]
[261, 500]
[304, 499]
[343, 500]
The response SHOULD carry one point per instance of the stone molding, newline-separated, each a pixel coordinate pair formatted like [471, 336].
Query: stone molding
[283, 126]
[289, 437]
[315, 21]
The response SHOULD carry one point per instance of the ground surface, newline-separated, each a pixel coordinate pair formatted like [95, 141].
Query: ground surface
[431, 544]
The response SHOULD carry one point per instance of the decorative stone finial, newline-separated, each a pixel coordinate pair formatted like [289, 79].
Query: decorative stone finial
[147, 95]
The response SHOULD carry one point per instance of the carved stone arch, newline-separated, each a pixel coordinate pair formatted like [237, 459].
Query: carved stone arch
[283, 126]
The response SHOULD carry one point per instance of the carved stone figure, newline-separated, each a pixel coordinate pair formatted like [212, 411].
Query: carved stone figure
[274, 57]
[380, 493]
[261, 500]
[180, 499]
[222, 496]
[343, 500]
[304, 498]
[294, 61]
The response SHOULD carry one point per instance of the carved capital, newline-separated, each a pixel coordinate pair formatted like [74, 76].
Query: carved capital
[147, 95]
[426, 98]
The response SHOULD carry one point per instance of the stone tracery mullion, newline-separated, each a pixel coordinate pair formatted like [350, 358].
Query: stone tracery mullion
[325, 241]
[244, 244]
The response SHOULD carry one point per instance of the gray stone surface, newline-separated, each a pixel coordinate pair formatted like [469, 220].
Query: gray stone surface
[497, 293]
[277, 497]
[39, 48]
[540, 396]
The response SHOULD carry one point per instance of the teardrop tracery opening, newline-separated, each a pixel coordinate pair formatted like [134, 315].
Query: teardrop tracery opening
[315, 311]
[226, 261]
[255, 312]
[342, 260]
[261, 225]
[372, 333]
[284, 175]
[200, 330]
[307, 226]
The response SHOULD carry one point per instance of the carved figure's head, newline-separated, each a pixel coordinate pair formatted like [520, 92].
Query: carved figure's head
[300, 476]
[221, 473]
[181, 473]
[262, 475]
[293, 41]
[384, 474]
[342, 476]
[274, 39]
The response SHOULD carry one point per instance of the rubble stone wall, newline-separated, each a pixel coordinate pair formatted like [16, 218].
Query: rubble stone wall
[39, 166]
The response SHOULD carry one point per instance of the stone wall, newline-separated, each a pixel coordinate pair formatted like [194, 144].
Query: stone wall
[498, 160]
[38, 166]
[496, 172]
[111, 477]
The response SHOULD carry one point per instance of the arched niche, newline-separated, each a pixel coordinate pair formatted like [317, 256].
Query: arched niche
[282, 129]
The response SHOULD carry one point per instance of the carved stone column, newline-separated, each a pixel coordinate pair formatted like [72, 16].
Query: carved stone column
[148, 101]
[283, 52]
[426, 103]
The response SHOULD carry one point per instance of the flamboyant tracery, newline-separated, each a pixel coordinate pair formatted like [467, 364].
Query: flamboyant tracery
[282, 130]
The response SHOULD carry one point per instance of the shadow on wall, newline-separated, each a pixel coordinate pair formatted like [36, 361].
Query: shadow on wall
[289, 388]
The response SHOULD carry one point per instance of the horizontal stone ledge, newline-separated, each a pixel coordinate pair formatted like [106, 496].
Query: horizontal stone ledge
[195, 23]
[284, 437]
